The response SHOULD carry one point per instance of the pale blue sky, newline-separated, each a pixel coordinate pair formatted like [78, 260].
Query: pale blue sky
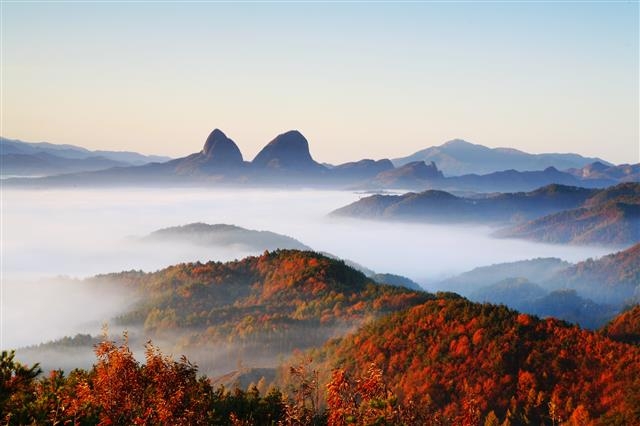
[358, 79]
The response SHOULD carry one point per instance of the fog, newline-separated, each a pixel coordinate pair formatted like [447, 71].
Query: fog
[79, 233]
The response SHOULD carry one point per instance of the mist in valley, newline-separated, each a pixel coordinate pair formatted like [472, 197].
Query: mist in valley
[51, 239]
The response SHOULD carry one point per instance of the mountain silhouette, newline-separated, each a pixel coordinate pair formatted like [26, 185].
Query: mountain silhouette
[288, 151]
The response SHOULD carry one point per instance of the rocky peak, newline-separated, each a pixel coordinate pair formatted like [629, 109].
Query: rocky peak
[289, 150]
[221, 150]
[422, 170]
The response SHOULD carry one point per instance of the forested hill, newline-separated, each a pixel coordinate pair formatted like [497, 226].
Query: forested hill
[614, 278]
[459, 360]
[446, 361]
[269, 304]
[625, 327]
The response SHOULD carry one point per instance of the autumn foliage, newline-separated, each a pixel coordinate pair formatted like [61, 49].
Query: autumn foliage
[368, 400]
[269, 305]
[119, 390]
[460, 360]
[625, 327]
[419, 359]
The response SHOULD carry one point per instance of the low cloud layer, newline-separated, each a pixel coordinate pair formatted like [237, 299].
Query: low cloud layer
[79, 233]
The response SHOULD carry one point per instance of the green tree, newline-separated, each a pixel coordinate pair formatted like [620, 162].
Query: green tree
[17, 389]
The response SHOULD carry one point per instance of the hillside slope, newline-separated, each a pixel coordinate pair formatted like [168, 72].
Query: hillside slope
[456, 359]
[256, 308]
[610, 279]
[625, 327]
[611, 216]
[534, 270]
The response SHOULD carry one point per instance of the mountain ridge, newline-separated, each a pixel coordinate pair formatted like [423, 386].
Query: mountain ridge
[459, 157]
[442, 206]
[17, 146]
[611, 216]
[552, 213]
[286, 160]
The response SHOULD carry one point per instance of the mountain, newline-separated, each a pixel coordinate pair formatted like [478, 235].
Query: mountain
[43, 163]
[420, 176]
[513, 180]
[219, 161]
[513, 292]
[286, 160]
[252, 311]
[457, 362]
[613, 223]
[598, 170]
[219, 154]
[627, 193]
[396, 280]
[231, 236]
[14, 146]
[288, 151]
[534, 270]
[459, 157]
[612, 216]
[446, 361]
[440, 206]
[612, 279]
[359, 170]
[553, 213]
[408, 175]
[568, 305]
[54, 158]
[625, 327]
[255, 309]
[222, 235]
[530, 298]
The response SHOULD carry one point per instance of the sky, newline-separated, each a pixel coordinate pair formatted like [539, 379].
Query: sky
[358, 79]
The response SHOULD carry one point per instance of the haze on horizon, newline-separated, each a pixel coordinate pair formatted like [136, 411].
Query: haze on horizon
[358, 80]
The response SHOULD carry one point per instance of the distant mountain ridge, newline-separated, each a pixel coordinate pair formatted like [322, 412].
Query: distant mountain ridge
[420, 176]
[38, 158]
[614, 278]
[598, 170]
[531, 298]
[363, 169]
[612, 216]
[513, 180]
[588, 292]
[459, 157]
[513, 292]
[286, 160]
[553, 213]
[441, 206]
[533, 270]
[44, 163]
[408, 174]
